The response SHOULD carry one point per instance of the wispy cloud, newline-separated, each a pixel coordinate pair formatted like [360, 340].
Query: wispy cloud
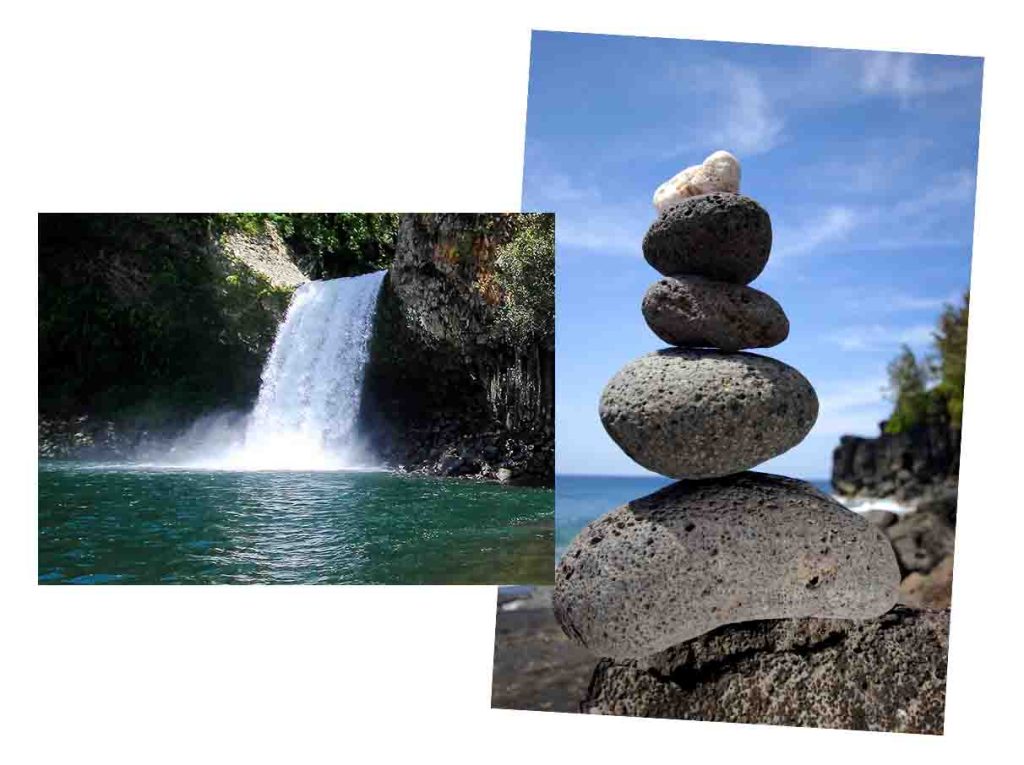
[880, 165]
[834, 225]
[877, 300]
[851, 406]
[750, 123]
[905, 302]
[914, 221]
[609, 232]
[874, 337]
[557, 188]
[953, 189]
[586, 220]
[899, 75]
[731, 110]
[890, 72]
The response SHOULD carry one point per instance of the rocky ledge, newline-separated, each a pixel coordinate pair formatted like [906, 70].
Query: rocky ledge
[901, 465]
[884, 674]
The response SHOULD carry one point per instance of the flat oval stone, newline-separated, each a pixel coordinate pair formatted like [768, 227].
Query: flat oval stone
[694, 413]
[697, 555]
[726, 237]
[693, 311]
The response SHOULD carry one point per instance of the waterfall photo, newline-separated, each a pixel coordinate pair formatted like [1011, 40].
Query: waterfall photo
[763, 269]
[293, 398]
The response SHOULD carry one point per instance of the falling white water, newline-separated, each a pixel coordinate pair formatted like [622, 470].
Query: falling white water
[305, 416]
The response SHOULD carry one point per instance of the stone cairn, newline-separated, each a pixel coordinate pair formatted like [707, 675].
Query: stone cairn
[722, 545]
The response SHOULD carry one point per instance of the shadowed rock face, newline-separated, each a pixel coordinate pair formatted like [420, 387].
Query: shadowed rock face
[689, 413]
[904, 465]
[692, 311]
[699, 554]
[885, 674]
[726, 237]
[446, 392]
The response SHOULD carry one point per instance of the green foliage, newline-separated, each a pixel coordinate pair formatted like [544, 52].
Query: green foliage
[326, 245]
[138, 314]
[951, 367]
[908, 381]
[525, 273]
[916, 400]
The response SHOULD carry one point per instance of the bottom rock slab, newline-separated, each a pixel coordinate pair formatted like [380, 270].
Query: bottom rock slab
[697, 555]
[885, 674]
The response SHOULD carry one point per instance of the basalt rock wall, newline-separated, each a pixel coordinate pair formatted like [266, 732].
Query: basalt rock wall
[904, 465]
[446, 391]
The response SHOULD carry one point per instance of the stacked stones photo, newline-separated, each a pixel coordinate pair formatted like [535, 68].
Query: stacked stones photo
[650, 586]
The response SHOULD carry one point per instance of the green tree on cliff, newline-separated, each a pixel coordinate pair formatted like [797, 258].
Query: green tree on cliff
[525, 271]
[908, 390]
[951, 367]
[915, 399]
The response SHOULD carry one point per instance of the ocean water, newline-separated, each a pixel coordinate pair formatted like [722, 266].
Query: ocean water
[152, 525]
[580, 499]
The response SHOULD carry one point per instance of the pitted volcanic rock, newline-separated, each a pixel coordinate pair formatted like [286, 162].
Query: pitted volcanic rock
[697, 555]
[726, 237]
[694, 413]
[692, 311]
[884, 674]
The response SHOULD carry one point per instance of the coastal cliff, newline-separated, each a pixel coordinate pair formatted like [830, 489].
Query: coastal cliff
[904, 465]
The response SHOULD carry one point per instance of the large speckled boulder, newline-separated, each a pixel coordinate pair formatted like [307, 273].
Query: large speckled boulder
[689, 413]
[699, 554]
[884, 674]
[726, 237]
[692, 311]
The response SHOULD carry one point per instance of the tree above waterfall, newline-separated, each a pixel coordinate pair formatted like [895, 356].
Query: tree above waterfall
[525, 272]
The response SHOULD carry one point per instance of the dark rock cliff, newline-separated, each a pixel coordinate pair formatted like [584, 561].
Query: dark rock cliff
[903, 465]
[446, 391]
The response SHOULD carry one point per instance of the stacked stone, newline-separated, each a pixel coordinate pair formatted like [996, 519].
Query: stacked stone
[722, 545]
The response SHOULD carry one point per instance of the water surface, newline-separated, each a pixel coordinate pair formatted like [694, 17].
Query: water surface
[130, 524]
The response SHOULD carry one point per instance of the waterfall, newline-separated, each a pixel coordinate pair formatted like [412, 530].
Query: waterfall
[305, 416]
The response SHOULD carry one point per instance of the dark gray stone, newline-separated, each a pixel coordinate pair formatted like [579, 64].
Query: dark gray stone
[689, 413]
[699, 554]
[921, 540]
[726, 237]
[692, 311]
[884, 674]
[883, 519]
[877, 467]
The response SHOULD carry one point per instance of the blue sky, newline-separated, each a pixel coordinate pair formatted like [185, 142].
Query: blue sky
[865, 161]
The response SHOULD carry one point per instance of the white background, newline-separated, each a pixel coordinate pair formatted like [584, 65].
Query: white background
[206, 106]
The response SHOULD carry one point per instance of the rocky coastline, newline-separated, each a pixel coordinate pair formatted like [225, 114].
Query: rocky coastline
[905, 466]
[918, 469]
